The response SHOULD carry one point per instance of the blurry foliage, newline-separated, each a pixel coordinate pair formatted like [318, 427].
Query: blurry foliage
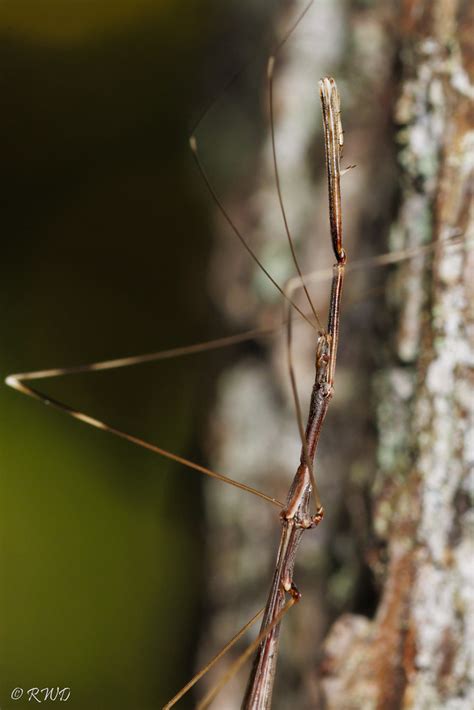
[105, 244]
[107, 230]
[57, 22]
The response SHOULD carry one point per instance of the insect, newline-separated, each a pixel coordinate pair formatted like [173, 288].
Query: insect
[90, 536]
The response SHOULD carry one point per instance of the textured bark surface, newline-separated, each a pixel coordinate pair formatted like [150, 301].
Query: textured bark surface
[417, 652]
[385, 578]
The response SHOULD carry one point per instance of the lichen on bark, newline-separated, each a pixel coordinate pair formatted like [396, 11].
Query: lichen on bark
[396, 450]
[417, 652]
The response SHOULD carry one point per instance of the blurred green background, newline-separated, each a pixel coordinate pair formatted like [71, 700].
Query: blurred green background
[106, 235]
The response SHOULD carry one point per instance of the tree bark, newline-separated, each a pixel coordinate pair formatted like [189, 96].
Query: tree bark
[417, 652]
[390, 566]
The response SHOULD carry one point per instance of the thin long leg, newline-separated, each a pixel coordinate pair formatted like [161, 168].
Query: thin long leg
[213, 661]
[381, 260]
[291, 287]
[238, 663]
[16, 382]
[271, 64]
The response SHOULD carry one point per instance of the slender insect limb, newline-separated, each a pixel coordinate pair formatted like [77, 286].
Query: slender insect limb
[117, 363]
[393, 257]
[207, 345]
[16, 382]
[271, 64]
[390, 258]
[238, 663]
[292, 285]
[213, 661]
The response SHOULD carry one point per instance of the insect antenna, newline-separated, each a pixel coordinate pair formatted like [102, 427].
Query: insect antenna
[236, 230]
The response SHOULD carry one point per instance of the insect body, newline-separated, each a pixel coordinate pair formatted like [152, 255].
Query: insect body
[295, 513]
